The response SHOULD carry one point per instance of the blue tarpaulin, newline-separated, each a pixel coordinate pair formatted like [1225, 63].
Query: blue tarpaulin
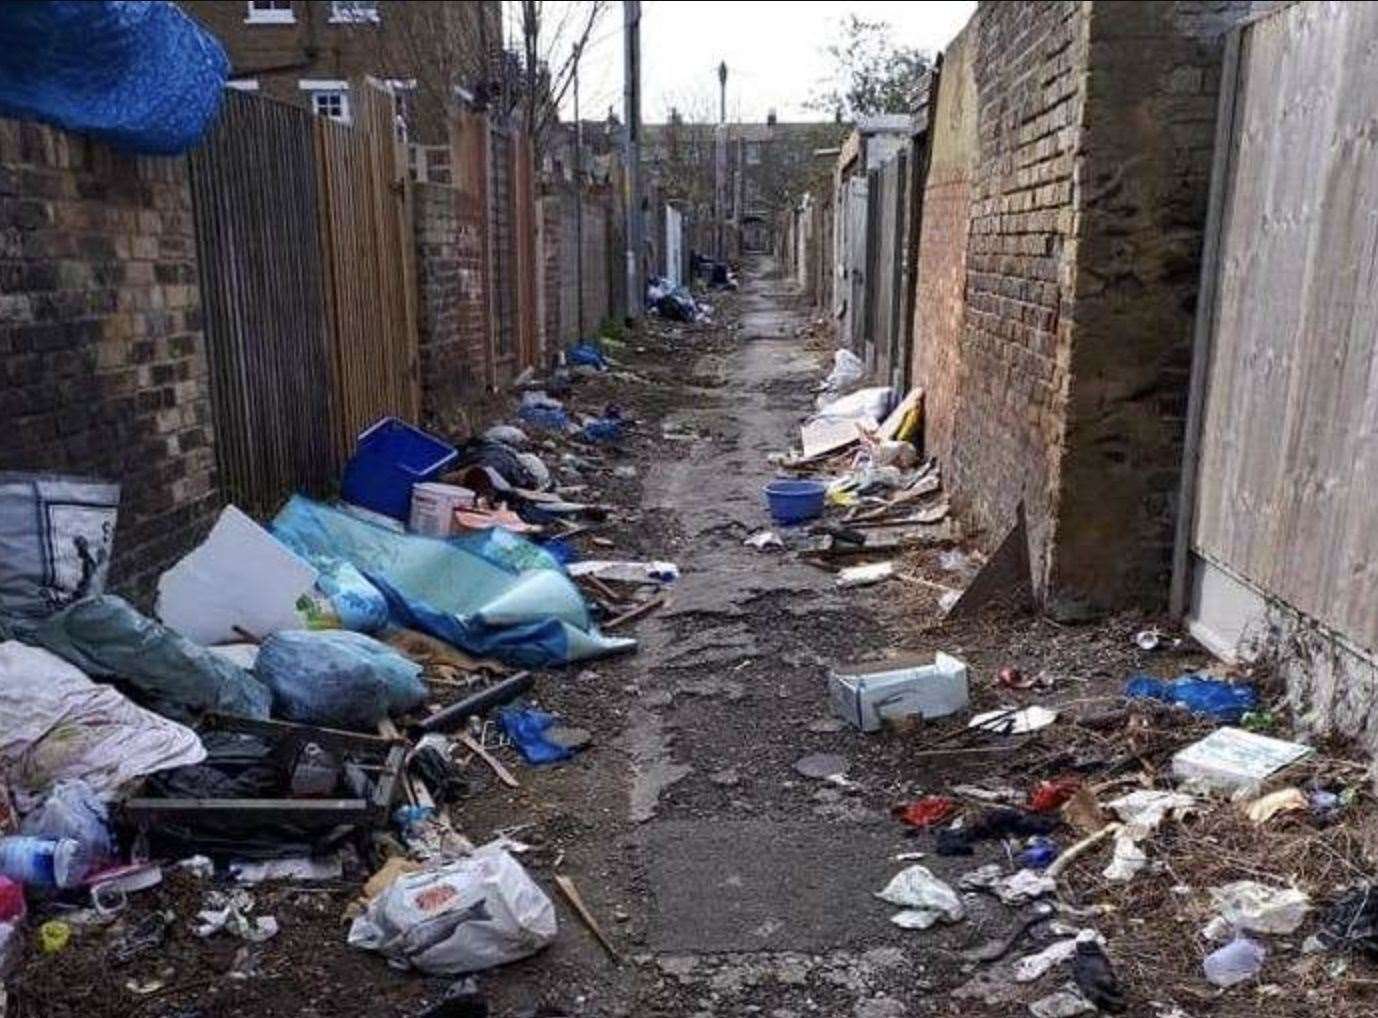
[141, 76]
[492, 594]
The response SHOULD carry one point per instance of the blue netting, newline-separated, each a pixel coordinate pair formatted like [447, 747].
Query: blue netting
[141, 76]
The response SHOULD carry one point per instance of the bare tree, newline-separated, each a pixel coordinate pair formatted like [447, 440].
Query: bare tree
[554, 37]
[681, 153]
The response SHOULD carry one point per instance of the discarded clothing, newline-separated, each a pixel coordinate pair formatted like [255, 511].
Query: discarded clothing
[57, 724]
[337, 679]
[143, 77]
[993, 824]
[925, 812]
[491, 595]
[108, 639]
[1215, 698]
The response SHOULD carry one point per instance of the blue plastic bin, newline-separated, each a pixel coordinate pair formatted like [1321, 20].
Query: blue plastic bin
[795, 501]
[390, 457]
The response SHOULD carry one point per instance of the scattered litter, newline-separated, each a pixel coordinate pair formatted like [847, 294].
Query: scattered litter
[1062, 1004]
[433, 508]
[301, 869]
[1094, 975]
[576, 901]
[1230, 759]
[868, 695]
[473, 914]
[1148, 639]
[1129, 858]
[1352, 922]
[1252, 907]
[763, 539]
[1285, 800]
[54, 936]
[1039, 854]
[1215, 698]
[924, 897]
[1237, 961]
[626, 572]
[1146, 808]
[1035, 966]
[230, 911]
[992, 825]
[1014, 722]
[530, 729]
[1019, 888]
[1082, 812]
[926, 812]
[865, 575]
[1051, 795]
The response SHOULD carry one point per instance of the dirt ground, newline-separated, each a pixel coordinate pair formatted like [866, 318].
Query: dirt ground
[731, 883]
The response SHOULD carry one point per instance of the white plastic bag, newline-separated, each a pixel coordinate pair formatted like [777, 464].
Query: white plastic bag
[481, 911]
[924, 897]
[864, 404]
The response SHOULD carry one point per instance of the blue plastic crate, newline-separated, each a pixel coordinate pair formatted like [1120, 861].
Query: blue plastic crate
[390, 457]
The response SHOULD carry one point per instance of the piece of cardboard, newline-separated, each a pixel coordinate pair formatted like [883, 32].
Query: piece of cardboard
[239, 580]
[824, 435]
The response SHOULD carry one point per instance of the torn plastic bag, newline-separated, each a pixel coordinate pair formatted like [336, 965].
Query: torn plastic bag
[57, 724]
[491, 594]
[343, 599]
[108, 639]
[526, 727]
[503, 458]
[864, 404]
[56, 533]
[337, 679]
[469, 915]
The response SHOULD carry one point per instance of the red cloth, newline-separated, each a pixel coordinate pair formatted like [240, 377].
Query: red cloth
[1050, 795]
[930, 810]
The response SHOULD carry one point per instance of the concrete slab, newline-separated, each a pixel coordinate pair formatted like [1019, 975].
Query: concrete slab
[729, 886]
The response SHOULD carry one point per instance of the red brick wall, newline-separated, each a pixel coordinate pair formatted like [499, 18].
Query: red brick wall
[1028, 64]
[453, 338]
[102, 362]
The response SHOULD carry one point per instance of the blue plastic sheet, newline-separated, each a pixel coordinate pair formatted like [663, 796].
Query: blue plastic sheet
[491, 593]
[526, 727]
[337, 679]
[140, 75]
[1200, 694]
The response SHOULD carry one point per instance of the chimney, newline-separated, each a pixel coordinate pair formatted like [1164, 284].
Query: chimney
[770, 119]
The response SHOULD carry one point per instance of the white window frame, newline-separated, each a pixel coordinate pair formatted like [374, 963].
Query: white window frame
[317, 86]
[260, 16]
[243, 84]
[345, 12]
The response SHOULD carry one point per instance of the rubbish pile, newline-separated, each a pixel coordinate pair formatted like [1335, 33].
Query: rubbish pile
[312, 694]
[674, 303]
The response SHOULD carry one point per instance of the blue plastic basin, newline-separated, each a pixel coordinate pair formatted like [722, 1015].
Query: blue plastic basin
[795, 501]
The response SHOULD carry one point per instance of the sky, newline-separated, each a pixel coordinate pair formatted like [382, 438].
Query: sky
[775, 52]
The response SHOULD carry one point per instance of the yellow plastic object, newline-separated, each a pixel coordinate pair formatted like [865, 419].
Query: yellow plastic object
[53, 936]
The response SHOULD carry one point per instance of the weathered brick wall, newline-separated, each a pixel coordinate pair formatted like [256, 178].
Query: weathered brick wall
[941, 276]
[1148, 134]
[1028, 66]
[453, 341]
[553, 241]
[102, 360]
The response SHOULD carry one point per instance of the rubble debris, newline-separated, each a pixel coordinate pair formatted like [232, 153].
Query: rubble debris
[1215, 698]
[476, 913]
[1251, 907]
[1231, 759]
[924, 898]
[866, 696]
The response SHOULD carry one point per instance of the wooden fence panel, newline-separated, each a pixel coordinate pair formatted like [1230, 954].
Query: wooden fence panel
[263, 292]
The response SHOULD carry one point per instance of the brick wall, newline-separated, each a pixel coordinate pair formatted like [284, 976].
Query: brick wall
[1028, 66]
[102, 363]
[1148, 134]
[451, 313]
[940, 283]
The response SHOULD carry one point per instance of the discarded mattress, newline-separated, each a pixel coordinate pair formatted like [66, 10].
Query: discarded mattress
[491, 594]
[142, 76]
[56, 724]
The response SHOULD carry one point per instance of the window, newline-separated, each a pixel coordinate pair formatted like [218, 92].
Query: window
[328, 98]
[753, 153]
[354, 11]
[270, 12]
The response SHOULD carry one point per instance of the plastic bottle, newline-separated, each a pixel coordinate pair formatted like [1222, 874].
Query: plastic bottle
[1237, 961]
[44, 862]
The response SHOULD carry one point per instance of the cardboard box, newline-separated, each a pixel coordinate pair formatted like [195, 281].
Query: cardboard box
[1230, 759]
[433, 507]
[867, 695]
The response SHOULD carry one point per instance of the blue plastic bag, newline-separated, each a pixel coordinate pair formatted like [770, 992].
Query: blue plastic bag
[1215, 698]
[337, 678]
[142, 76]
[548, 418]
[587, 354]
[526, 727]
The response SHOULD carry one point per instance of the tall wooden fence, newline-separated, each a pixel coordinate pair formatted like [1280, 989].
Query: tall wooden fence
[306, 260]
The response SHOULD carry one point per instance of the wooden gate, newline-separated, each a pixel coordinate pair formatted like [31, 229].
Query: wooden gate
[254, 199]
[888, 191]
[1282, 461]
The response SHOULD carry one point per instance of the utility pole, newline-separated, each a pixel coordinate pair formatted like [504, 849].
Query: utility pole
[631, 25]
[720, 167]
[578, 203]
